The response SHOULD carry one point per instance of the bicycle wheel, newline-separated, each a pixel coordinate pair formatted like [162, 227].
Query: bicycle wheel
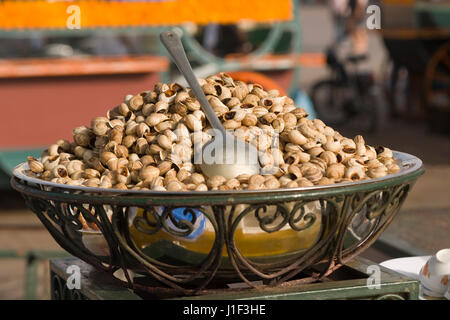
[330, 99]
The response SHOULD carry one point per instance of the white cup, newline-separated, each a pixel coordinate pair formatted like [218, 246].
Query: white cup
[435, 275]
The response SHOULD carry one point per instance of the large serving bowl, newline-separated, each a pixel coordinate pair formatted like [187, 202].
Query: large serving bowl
[186, 239]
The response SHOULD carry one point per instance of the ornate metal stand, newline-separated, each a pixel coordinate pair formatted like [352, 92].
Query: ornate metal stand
[351, 217]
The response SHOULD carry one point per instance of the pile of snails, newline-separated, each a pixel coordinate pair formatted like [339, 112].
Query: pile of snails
[147, 143]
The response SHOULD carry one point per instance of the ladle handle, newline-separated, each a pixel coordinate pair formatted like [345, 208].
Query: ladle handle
[173, 44]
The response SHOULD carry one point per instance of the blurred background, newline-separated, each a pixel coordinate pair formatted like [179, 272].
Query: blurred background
[389, 82]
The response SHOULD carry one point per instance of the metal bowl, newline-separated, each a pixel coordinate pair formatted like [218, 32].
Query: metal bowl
[186, 239]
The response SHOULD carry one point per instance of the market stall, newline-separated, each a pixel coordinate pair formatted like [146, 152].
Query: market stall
[419, 41]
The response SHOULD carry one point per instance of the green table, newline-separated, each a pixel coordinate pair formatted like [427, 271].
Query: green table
[349, 282]
[11, 158]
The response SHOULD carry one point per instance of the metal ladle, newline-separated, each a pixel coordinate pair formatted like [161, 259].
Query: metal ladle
[224, 155]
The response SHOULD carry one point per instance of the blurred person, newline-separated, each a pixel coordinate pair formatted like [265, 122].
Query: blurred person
[348, 16]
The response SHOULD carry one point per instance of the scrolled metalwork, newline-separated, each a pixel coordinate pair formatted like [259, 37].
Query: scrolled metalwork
[294, 219]
[266, 220]
[150, 222]
[182, 227]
